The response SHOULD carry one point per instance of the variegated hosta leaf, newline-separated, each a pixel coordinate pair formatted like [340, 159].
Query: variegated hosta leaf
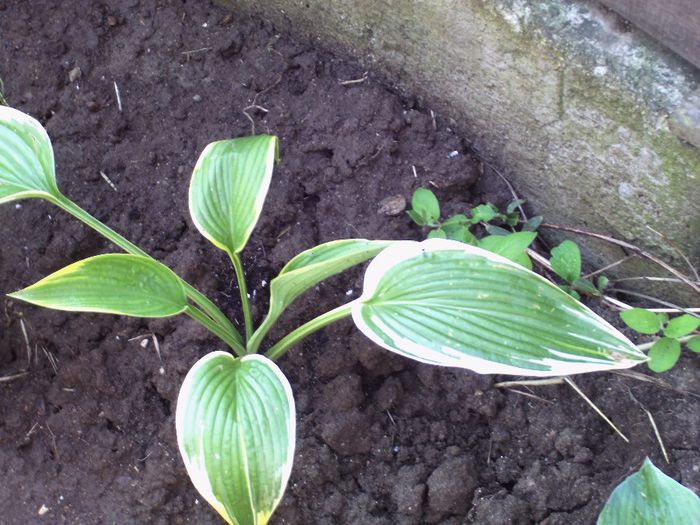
[448, 303]
[650, 497]
[114, 284]
[228, 188]
[310, 268]
[26, 157]
[236, 426]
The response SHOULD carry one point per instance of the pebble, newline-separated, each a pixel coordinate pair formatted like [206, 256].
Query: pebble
[393, 205]
[74, 74]
[197, 98]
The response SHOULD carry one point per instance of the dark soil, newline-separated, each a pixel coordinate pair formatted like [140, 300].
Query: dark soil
[381, 440]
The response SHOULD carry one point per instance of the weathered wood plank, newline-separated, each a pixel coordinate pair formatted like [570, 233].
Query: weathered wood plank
[675, 23]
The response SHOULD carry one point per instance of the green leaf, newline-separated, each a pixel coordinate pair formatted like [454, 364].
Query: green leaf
[437, 234]
[586, 287]
[496, 230]
[308, 269]
[566, 261]
[228, 189]
[533, 223]
[425, 203]
[682, 325]
[113, 284]
[512, 246]
[512, 206]
[602, 283]
[417, 218]
[459, 233]
[485, 213]
[235, 425]
[26, 158]
[664, 354]
[650, 497]
[457, 220]
[694, 343]
[641, 320]
[448, 303]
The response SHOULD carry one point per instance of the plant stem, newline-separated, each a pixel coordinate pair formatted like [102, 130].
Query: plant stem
[281, 347]
[195, 295]
[208, 323]
[245, 303]
[646, 346]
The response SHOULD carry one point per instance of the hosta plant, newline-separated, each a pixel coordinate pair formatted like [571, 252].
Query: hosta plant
[439, 301]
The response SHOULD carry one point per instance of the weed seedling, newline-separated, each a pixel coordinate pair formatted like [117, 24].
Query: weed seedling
[438, 301]
[671, 334]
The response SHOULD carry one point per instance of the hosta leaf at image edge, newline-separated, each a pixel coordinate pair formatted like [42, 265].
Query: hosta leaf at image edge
[26, 157]
[650, 497]
[114, 284]
[447, 303]
[236, 426]
[311, 267]
[228, 189]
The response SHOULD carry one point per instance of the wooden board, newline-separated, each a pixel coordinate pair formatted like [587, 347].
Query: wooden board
[675, 23]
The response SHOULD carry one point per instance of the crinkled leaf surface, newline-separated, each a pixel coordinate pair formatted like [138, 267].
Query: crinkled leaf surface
[228, 189]
[310, 268]
[236, 426]
[114, 284]
[447, 303]
[650, 497]
[26, 157]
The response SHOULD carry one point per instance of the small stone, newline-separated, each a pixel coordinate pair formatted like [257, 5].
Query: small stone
[112, 21]
[197, 98]
[75, 74]
[393, 205]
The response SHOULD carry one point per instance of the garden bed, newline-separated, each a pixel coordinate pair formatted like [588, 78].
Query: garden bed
[130, 93]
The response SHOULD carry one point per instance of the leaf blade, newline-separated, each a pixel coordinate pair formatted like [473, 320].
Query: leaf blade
[425, 207]
[26, 158]
[119, 284]
[641, 320]
[682, 325]
[228, 188]
[664, 354]
[235, 423]
[452, 304]
[566, 261]
[650, 497]
[308, 269]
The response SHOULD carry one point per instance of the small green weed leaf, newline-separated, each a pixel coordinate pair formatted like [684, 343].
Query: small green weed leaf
[511, 246]
[424, 203]
[533, 223]
[417, 218]
[228, 189]
[512, 206]
[235, 426]
[496, 230]
[512, 220]
[448, 303]
[586, 287]
[574, 294]
[641, 320]
[664, 354]
[566, 261]
[694, 343]
[682, 325]
[114, 283]
[459, 233]
[26, 158]
[308, 269]
[457, 220]
[437, 234]
[650, 497]
[602, 283]
[485, 213]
